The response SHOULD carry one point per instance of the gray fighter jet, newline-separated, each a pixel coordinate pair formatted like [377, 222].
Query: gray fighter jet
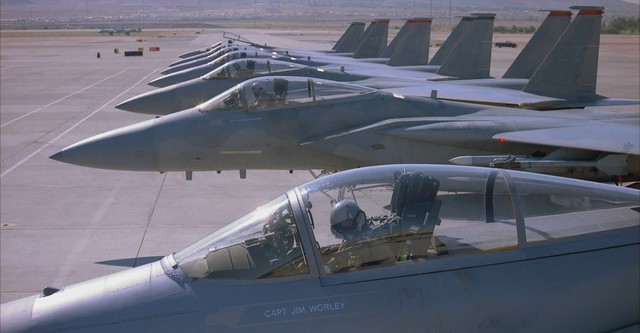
[298, 123]
[368, 44]
[468, 54]
[411, 44]
[401, 248]
[521, 86]
[192, 92]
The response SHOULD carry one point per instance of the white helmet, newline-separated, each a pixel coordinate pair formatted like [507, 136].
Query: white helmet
[347, 219]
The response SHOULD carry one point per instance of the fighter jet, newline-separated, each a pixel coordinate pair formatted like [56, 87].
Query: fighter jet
[521, 86]
[382, 249]
[180, 71]
[470, 53]
[126, 31]
[298, 123]
[197, 52]
[192, 92]
[370, 43]
[346, 43]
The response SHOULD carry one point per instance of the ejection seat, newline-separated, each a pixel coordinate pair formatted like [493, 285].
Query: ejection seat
[414, 202]
[280, 90]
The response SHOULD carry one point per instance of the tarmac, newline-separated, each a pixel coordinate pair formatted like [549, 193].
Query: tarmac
[62, 224]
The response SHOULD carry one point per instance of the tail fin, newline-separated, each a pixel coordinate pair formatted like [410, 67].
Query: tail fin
[450, 43]
[539, 45]
[374, 40]
[412, 46]
[349, 38]
[570, 70]
[471, 57]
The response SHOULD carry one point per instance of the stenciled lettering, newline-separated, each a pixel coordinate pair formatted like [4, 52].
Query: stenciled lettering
[321, 307]
[270, 313]
[302, 310]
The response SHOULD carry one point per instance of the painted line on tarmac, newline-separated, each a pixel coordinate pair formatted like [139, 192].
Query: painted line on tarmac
[61, 99]
[72, 127]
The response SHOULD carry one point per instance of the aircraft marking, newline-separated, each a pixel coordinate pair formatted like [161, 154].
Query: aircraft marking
[300, 310]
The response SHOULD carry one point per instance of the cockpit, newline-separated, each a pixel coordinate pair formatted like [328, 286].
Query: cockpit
[238, 54]
[272, 91]
[247, 68]
[386, 216]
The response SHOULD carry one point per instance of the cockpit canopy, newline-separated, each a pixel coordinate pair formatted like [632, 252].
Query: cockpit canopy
[407, 214]
[239, 54]
[271, 91]
[247, 68]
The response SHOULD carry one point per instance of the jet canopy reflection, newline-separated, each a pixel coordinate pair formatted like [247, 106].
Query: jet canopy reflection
[385, 216]
[228, 57]
[247, 68]
[272, 91]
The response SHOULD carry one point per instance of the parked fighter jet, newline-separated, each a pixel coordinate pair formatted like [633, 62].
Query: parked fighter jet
[520, 87]
[346, 43]
[412, 43]
[383, 249]
[192, 92]
[468, 53]
[371, 43]
[197, 52]
[126, 31]
[298, 123]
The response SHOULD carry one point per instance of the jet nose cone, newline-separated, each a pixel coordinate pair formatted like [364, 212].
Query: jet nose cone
[165, 81]
[157, 102]
[127, 148]
[181, 67]
[186, 60]
[181, 76]
[170, 70]
[59, 156]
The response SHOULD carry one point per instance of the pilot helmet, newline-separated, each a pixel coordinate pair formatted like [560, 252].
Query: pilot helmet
[347, 219]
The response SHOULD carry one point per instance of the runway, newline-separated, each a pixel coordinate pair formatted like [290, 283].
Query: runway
[62, 224]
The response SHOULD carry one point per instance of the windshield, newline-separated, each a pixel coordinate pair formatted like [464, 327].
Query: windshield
[263, 244]
[246, 68]
[265, 92]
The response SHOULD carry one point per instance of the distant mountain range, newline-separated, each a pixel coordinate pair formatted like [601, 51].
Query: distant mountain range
[283, 9]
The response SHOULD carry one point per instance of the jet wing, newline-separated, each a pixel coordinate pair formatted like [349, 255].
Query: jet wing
[504, 92]
[609, 137]
[614, 137]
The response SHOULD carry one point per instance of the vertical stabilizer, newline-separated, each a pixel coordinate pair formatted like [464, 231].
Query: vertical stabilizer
[570, 70]
[374, 40]
[539, 45]
[413, 47]
[450, 43]
[349, 38]
[471, 57]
